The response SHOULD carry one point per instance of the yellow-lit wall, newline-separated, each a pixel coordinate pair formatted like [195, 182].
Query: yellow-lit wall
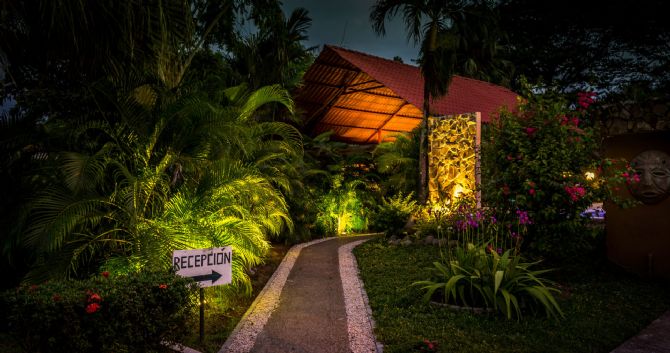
[452, 157]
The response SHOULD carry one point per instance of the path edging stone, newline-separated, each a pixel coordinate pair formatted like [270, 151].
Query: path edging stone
[243, 337]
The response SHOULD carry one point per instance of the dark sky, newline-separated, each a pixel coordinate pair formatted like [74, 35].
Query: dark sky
[346, 23]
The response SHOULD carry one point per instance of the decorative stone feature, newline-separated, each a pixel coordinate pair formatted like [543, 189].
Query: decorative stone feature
[453, 157]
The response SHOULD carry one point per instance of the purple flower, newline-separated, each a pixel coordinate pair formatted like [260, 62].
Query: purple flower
[493, 220]
[499, 250]
[523, 217]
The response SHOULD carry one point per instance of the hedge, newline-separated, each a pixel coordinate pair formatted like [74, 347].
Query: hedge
[136, 313]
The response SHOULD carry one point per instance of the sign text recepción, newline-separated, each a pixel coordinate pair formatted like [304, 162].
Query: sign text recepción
[209, 267]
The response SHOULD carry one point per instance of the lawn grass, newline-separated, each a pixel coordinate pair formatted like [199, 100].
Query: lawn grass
[603, 307]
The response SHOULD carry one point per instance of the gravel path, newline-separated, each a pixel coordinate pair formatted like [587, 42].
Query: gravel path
[313, 303]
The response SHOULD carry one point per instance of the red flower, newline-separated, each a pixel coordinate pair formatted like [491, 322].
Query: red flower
[162, 286]
[505, 190]
[584, 99]
[531, 192]
[95, 297]
[105, 274]
[93, 307]
[510, 158]
[56, 298]
[531, 131]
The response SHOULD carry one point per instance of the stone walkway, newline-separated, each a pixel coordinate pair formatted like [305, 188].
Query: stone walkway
[653, 339]
[323, 305]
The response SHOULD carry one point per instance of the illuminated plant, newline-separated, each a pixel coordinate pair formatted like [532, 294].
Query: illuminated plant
[187, 174]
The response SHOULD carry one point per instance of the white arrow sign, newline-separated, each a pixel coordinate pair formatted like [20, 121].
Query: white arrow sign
[208, 267]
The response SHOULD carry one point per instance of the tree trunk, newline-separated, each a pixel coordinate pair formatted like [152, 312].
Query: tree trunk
[423, 148]
[423, 137]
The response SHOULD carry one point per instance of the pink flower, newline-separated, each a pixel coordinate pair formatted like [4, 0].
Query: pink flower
[531, 192]
[585, 99]
[575, 192]
[531, 131]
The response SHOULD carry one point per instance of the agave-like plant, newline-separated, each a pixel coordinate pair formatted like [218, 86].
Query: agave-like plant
[476, 275]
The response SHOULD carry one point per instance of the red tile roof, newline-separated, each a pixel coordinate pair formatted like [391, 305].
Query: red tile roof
[357, 95]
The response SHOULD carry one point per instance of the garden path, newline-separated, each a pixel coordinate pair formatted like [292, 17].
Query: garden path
[653, 339]
[314, 303]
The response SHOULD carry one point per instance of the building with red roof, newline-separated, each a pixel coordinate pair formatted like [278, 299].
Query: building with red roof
[367, 99]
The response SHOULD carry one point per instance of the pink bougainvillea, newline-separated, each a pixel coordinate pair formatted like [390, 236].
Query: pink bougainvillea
[575, 192]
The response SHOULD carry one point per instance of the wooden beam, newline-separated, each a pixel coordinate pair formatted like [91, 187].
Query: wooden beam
[381, 127]
[312, 82]
[363, 89]
[360, 127]
[374, 112]
[332, 99]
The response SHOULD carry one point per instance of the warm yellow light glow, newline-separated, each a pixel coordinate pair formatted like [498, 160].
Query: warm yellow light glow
[452, 158]
[590, 175]
[458, 190]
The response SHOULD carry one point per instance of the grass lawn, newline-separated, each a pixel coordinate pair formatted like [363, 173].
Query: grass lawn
[603, 307]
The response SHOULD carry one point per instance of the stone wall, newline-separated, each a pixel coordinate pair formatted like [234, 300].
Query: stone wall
[632, 117]
[453, 160]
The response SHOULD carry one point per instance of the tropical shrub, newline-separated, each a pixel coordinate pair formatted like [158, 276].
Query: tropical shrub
[392, 214]
[398, 162]
[476, 275]
[142, 312]
[342, 209]
[535, 160]
[185, 173]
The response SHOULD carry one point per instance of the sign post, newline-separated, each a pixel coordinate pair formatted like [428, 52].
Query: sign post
[209, 267]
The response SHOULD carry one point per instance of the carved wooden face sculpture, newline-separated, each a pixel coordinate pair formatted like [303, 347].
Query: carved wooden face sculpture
[653, 167]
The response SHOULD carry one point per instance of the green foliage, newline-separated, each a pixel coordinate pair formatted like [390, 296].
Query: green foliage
[189, 173]
[393, 213]
[398, 163]
[603, 307]
[141, 312]
[477, 276]
[342, 209]
[535, 160]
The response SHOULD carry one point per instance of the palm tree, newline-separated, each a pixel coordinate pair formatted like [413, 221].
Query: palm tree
[275, 53]
[184, 175]
[423, 19]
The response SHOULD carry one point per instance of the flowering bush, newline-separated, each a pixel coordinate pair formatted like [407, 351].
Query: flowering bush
[536, 160]
[137, 313]
[465, 224]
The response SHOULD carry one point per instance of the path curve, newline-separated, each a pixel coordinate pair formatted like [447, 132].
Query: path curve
[359, 325]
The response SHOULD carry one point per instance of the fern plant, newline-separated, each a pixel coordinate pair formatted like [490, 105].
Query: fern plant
[393, 213]
[180, 174]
